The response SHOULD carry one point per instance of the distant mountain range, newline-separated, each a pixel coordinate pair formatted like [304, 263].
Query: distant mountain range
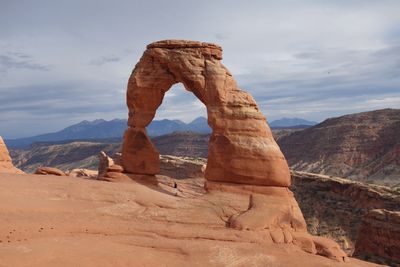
[291, 122]
[102, 129]
[67, 155]
[363, 146]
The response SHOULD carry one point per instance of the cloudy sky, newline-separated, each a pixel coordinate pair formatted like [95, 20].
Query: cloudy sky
[65, 61]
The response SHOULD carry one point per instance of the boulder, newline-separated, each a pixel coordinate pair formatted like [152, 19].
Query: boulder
[85, 173]
[104, 162]
[49, 171]
[115, 168]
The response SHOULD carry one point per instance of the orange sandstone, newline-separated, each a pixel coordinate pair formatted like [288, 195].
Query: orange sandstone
[243, 155]
[241, 149]
[6, 165]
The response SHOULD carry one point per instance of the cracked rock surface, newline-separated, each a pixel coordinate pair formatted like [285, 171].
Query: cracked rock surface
[67, 221]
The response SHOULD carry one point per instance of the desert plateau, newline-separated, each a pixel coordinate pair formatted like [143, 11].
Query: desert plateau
[235, 134]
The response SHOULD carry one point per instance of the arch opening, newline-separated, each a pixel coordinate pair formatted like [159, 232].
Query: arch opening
[180, 104]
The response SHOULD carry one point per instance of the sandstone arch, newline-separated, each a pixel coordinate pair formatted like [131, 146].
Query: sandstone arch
[241, 149]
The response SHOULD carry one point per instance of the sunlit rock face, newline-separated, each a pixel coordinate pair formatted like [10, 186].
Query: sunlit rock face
[6, 165]
[241, 149]
[243, 156]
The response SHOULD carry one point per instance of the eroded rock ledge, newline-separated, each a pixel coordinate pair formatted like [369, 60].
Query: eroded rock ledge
[379, 237]
[362, 218]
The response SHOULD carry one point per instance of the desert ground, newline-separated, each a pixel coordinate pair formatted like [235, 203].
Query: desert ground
[64, 221]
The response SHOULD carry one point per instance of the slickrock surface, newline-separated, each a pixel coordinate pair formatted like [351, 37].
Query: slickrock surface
[6, 165]
[363, 146]
[334, 207]
[379, 236]
[241, 149]
[59, 221]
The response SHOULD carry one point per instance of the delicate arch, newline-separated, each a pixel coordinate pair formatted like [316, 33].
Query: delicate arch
[241, 149]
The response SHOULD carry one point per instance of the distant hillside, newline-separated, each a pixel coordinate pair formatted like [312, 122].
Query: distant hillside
[165, 126]
[363, 146]
[96, 129]
[291, 122]
[101, 129]
[183, 144]
[67, 155]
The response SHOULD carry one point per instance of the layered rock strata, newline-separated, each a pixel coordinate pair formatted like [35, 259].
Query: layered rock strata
[379, 237]
[363, 146]
[345, 211]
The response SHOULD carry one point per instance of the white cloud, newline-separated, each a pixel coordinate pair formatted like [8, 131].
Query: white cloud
[314, 58]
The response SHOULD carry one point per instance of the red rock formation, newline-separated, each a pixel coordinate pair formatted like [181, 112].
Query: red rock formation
[85, 173]
[49, 171]
[379, 236]
[6, 165]
[363, 146]
[182, 167]
[104, 162]
[243, 155]
[333, 206]
[241, 149]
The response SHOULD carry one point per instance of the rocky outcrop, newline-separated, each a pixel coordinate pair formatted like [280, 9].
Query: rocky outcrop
[182, 167]
[84, 155]
[183, 144]
[241, 148]
[379, 237]
[66, 156]
[104, 162]
[363, 147]
[49, 171]
[6, 165]
[243, 157]
[333, 207]
[85, 173]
